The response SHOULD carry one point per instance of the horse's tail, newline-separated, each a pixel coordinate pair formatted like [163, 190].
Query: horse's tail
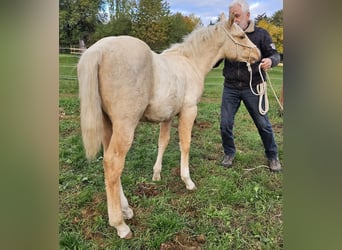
[90, 102]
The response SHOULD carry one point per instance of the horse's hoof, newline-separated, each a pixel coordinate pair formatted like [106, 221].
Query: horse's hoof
[128, 236]
[191, 187]
[156, 178]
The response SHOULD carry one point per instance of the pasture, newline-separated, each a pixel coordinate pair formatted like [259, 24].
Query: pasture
[239, 208]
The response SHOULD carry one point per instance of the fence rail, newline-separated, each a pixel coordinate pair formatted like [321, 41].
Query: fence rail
[76, 51]
[72, 50]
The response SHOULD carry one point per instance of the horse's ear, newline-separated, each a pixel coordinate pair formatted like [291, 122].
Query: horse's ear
[231, 20]
[222, 17]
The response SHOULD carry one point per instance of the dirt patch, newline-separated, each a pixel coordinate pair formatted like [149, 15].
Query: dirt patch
[202, 124]
[197, 124]
[88, 216]
[278, 127]
[176, 185]
[146, 189]
[182, 241]
[176, 171]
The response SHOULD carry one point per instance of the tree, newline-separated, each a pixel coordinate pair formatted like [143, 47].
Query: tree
[277, 18]
[260, 17]
[192, 22]
[115, 27]
[77, 20]
[119, 20]
[150, 22]
[119, 8]
[180, 26]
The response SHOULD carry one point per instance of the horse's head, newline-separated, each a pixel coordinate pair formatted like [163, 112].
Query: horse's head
[237, 45]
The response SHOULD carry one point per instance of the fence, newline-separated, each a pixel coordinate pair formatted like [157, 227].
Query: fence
[72, 50]
[76, 51]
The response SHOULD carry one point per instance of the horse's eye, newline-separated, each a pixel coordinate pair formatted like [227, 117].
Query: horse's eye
[242, 36]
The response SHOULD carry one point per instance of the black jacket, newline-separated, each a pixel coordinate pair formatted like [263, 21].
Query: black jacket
[236, 74]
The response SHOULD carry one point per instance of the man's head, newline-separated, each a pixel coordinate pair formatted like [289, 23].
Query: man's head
[240, 10]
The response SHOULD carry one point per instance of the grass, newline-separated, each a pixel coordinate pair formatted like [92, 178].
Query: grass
[240, 208]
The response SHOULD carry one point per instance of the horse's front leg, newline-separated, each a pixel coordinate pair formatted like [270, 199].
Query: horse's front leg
[164, 138]
[186, 122]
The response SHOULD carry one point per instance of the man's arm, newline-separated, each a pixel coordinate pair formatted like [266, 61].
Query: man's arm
[269, 50]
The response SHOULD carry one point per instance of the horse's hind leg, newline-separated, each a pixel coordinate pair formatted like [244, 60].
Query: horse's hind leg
[186, 122]
[164, 138]
[114, 160]
[107, 125]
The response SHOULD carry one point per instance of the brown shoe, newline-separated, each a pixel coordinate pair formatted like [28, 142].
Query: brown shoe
[227, 161]
[275, 165]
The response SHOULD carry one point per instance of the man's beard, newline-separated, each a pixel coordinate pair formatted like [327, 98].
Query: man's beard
[243, 25]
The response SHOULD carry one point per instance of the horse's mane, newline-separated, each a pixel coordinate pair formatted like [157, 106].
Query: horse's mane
[193, 43]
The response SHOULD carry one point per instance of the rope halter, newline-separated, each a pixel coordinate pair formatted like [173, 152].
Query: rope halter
[240, 44]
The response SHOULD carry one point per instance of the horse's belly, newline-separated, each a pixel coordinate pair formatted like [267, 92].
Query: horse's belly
[161, 112]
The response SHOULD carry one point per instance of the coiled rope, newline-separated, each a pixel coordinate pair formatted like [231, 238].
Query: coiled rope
[261, 90]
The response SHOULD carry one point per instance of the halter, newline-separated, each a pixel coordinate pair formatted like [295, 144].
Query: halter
[238, 43]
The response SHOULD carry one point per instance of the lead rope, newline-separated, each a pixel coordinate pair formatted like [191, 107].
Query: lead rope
[274, 93]
[262, 90]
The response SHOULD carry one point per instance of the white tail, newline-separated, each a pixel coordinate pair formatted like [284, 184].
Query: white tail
[90, 101]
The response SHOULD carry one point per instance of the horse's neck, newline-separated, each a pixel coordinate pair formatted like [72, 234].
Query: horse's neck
[206, 59]
[202, 55]
[207, 54]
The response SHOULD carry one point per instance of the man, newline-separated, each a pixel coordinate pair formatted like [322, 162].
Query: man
[237, 88]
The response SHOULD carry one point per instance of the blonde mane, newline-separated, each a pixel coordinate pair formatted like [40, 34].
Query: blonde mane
[194, 42]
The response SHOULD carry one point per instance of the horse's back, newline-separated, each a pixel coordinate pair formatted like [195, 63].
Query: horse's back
[123, 50]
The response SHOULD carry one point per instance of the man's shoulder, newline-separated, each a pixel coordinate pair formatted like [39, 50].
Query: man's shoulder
[261, 32]
[260, 29]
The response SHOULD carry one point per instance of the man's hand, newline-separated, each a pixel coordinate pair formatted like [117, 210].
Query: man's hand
[266, 63]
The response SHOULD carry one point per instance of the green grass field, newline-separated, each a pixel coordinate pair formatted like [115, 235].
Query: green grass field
[239, 208]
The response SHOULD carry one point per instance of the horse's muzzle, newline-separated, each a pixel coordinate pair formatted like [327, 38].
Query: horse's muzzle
[255, 55]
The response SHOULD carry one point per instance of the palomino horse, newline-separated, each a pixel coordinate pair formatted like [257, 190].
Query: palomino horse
[122, 82]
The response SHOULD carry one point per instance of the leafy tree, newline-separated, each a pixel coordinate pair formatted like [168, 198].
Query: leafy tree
[115, 27]
[77, 20]
[151, 22]
[119, 8]
[260, 17]
[192, 22]
[277, 18]
[120, 20]
[180, 26]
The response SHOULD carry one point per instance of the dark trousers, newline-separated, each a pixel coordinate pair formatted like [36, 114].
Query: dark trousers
[231, 100]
